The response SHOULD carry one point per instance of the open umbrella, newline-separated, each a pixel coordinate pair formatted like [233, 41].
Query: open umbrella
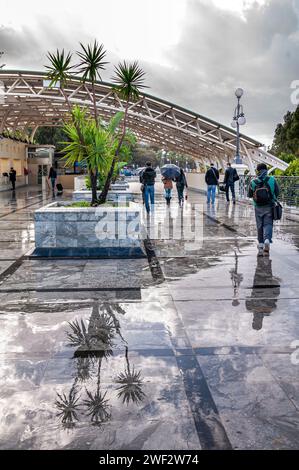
[170, 171]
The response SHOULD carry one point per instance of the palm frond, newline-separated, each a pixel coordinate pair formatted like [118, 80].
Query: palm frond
[130, 388]
[78, 335]
[68, 406]
[92, 61]
[60, 66]
[97, 407]
[128, 80]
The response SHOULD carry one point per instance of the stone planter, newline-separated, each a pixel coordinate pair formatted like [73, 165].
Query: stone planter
[104, 231]
[113, 195]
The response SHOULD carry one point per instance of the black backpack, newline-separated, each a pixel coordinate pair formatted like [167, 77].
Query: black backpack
[262, 194]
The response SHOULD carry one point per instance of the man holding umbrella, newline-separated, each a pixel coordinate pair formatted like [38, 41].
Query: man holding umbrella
[147, 179]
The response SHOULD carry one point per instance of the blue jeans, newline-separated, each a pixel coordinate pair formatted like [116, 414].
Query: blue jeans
[53, 183]
[149, 194]
[264, 223]
[167, 192]
[211, 193]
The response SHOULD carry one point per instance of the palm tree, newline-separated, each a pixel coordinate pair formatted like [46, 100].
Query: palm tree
[59, 70]
[92, 61]
[128, 80]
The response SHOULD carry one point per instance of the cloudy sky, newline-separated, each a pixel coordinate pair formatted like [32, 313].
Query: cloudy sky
[195, 52]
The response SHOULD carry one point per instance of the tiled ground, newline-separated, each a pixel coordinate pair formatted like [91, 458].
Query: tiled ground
[188, 349]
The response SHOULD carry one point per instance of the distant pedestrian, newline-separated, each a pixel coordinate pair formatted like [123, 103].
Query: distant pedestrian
[53, 177]
[211, 178]
[12, 178]
[264, 190]
[230, 177]
[181, 184]
[168, 185]
[147, 178]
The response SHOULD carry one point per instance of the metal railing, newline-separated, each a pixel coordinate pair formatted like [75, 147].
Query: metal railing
[288, 186]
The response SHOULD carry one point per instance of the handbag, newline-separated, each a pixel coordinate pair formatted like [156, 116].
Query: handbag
[277, 210]
[222, 187]
[236, 177]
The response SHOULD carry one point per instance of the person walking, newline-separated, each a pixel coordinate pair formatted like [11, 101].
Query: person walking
[230, 177]
[264, 191]
[181, 184]
[211, 179]
[12, 178]
[168, 185]
[147, 178]
[53, 177]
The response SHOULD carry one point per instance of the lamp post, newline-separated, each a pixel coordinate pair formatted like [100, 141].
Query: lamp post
[238, 120]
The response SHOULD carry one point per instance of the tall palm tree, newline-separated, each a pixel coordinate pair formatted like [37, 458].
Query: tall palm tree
[92, 61]
[59, 70]
[128, 82]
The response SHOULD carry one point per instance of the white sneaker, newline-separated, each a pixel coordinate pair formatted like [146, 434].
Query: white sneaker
[260, 247]
[267, 247]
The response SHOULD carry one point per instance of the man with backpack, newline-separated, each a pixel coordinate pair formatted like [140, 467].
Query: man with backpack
[211, 179]
[147, 178]
[230, 177]
[264, 191]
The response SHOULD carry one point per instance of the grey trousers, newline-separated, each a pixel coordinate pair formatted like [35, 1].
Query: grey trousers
[264, 223]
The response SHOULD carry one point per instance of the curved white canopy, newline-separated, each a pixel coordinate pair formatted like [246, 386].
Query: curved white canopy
[27, 101]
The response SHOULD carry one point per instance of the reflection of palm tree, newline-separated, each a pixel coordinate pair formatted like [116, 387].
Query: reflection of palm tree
[83, 368]
[260, 304]
[68, 406]
[96, 404]
[130, 382]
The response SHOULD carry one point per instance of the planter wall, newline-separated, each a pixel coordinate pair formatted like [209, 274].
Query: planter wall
[88, 232]
[113, 195]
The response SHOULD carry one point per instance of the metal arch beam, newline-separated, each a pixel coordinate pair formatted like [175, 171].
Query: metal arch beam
[153, 118]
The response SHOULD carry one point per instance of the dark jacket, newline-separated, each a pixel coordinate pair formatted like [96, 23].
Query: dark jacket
[52, 173]
[148, 176]
[212, 176]
[12, 175]
[181, 180]
[230, 174]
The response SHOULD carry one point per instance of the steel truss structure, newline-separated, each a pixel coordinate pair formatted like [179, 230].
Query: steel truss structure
[27, 102]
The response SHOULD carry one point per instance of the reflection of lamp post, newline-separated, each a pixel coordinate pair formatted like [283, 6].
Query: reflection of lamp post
[236, 279]
[238, 120]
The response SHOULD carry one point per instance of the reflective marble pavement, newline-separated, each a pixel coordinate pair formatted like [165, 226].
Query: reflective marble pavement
[188, 348]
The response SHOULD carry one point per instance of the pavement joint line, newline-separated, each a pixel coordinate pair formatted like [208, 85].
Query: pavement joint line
[69, 289]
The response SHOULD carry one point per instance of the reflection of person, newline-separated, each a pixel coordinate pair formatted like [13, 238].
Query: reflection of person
[211, 179]
[12, 178]
[147, 178]
[181, 184]
[257, 303]
[52, 177]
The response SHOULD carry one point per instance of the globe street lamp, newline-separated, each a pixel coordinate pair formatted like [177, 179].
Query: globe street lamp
[238, 120]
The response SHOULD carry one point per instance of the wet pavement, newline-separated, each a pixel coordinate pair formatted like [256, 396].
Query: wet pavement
[189, 348]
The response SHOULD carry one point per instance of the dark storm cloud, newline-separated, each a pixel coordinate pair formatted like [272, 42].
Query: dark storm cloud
[217, 51]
